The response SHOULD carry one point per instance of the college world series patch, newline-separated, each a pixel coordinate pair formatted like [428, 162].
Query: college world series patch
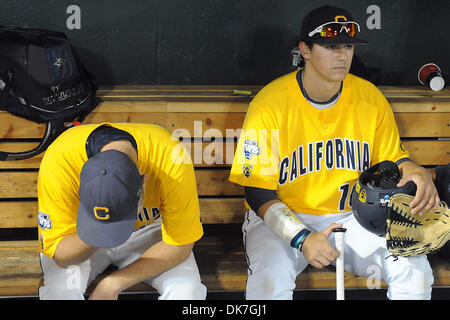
[251, 148]
[44, 221]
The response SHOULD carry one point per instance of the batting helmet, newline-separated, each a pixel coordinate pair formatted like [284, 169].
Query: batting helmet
[372, 193]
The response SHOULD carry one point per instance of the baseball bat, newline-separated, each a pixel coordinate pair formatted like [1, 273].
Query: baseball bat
[339, 240]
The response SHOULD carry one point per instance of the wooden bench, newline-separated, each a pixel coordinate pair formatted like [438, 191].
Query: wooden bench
[208, 120]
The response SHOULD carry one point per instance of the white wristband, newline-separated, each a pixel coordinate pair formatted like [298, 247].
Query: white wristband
[283, 222]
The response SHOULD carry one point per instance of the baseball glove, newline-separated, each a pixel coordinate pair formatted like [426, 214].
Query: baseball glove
[410, 234]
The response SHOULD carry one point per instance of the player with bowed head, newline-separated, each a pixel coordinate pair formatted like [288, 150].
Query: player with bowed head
[306, 138]
[115, 194]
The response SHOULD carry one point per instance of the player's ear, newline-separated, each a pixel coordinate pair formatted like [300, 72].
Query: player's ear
[304, 50]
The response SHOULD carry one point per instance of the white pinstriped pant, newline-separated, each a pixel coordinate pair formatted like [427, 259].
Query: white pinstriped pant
[179, 283]
[273, 265]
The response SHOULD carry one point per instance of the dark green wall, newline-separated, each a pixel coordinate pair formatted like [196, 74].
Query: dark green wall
[229, 41]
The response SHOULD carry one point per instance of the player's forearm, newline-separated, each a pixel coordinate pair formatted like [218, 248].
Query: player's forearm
[263, 209]
[281, 220]
[426, 197]
[407, 167]
[72, 250]
[157, 259]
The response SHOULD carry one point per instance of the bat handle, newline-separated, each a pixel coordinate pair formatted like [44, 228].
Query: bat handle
[339, 240]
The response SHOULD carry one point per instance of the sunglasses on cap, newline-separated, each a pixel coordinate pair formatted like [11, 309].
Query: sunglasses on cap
[334, 29]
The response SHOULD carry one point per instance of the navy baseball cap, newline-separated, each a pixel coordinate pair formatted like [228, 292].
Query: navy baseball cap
[330, 25]
[110, 188]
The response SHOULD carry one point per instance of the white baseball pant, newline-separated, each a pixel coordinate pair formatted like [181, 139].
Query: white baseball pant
[179, 283]
[273, 265]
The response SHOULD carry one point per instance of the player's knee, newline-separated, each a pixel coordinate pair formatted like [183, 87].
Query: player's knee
[60, 292]
[64, 284]
[414, 282]
[270, 284]
[186, 290]
[421, 282]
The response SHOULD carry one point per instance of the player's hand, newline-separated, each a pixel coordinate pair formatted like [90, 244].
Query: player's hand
[426, 198]
[318, 250]
[105, 290]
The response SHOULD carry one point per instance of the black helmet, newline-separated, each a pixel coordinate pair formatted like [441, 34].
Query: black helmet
[372, 193]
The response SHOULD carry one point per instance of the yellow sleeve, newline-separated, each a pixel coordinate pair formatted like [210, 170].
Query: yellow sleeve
[387, 144]
[256, 158]
[180, 210]
[58, 206]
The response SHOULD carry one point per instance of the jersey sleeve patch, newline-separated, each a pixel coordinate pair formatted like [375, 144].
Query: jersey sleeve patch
[44, 221]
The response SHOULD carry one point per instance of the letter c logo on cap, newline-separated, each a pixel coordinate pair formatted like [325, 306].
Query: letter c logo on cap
[338, 17]
[98, 210]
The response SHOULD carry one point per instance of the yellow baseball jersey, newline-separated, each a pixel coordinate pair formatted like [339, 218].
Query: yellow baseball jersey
[170, 191]
[313, 157]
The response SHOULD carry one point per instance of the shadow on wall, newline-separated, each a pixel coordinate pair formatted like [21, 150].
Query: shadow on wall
[359, 68]
[98, 66]
[266, 57]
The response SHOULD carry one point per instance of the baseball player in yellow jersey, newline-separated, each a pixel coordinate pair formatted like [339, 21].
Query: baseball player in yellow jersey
[115, 194]
[306, 138]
